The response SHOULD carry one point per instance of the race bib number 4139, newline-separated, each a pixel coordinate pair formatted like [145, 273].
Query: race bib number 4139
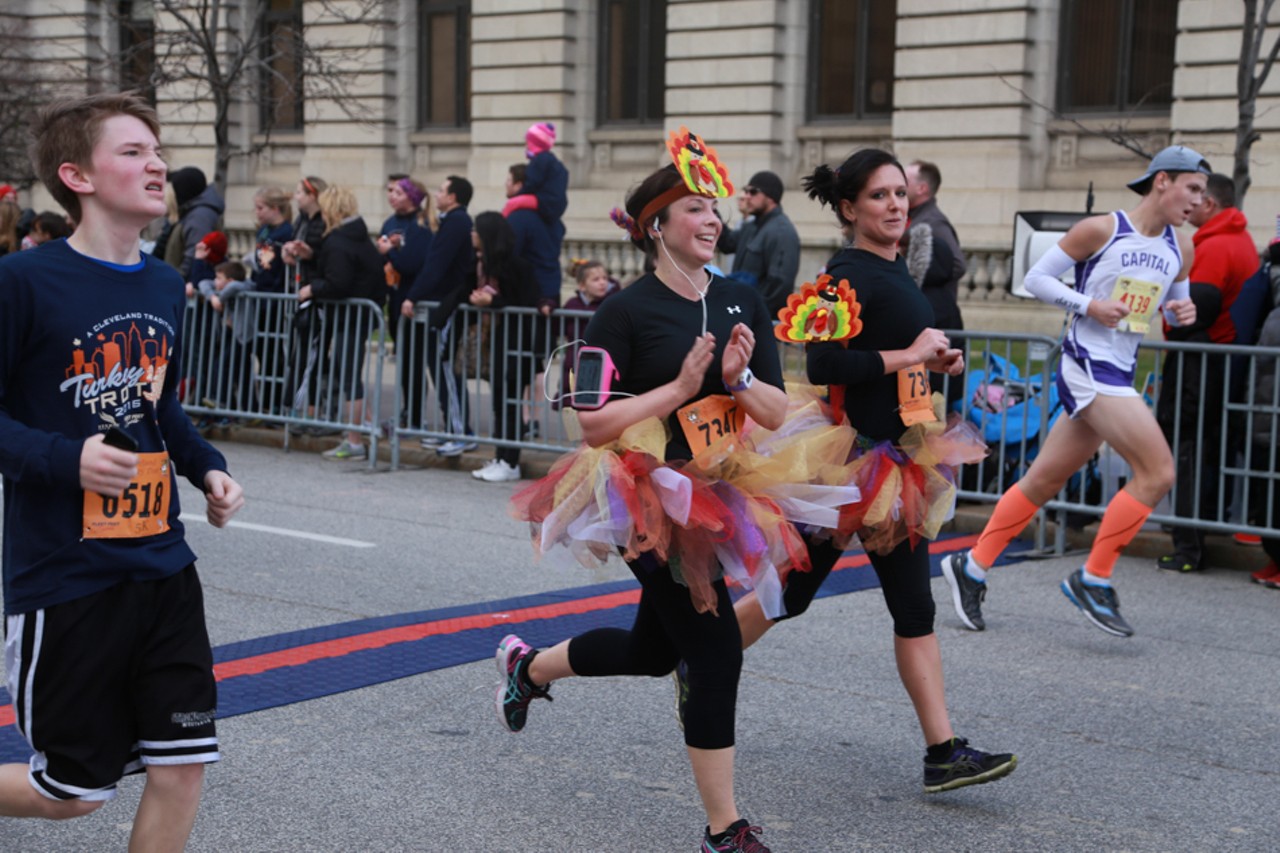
[142, 509]
[1142, 298]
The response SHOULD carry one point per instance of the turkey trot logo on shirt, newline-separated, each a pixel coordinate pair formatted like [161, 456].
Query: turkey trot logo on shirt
[119, 363]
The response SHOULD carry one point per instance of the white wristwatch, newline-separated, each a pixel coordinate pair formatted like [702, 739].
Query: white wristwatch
[742, 383]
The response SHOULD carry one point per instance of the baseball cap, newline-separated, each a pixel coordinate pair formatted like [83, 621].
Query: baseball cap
[1175, 158]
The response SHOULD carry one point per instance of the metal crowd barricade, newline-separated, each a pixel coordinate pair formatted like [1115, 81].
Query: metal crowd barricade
[1231, 487]
[445, 371]
[265, 358]
[1007, 392]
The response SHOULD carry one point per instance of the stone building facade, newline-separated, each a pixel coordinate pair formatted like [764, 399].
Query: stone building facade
[1011, 98]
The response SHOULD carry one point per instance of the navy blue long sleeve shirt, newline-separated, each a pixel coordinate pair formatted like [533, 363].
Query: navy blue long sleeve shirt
[416, 239]
[449, 259]
[85, 346]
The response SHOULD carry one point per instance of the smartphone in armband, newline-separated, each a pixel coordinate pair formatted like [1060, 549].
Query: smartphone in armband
[593, 377]
[117, 437]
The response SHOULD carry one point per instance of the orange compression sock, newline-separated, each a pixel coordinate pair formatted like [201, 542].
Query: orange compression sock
[1121, 522]
[1011, 514]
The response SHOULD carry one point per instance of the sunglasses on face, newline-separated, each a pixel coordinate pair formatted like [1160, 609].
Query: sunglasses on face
[751, 191]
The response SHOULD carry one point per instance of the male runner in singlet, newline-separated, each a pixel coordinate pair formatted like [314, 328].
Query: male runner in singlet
[1128, 266]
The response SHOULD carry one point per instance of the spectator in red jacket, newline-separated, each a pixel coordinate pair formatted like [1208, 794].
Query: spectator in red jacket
[1225, 257]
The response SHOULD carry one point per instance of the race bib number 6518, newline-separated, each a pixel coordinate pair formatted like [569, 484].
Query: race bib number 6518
[142, 509]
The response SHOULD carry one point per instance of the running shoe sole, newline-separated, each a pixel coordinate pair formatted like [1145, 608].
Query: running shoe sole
[1066, 590]
[998, 772]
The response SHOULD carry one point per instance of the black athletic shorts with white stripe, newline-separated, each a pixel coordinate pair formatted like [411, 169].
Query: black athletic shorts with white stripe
[110, 683]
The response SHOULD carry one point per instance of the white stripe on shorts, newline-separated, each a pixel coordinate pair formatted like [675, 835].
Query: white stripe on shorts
[1084, 388]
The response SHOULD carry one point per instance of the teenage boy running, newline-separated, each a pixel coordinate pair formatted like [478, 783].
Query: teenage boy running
[1128, 267]
[106, 652]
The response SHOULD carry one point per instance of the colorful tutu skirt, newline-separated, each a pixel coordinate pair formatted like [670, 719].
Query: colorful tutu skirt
[909, 487]
[735, 511]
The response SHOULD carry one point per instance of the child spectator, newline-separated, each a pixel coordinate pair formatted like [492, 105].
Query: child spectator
[546, 182]
[236, 335]
[210, 251]
[594, 287]
[45, 227]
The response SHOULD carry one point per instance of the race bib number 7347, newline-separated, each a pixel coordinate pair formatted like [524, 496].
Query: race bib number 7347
[709, 419]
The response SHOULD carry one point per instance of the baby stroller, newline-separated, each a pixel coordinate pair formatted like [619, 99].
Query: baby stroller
[1008, 409]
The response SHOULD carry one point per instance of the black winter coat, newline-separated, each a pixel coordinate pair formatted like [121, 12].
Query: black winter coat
[349, 266]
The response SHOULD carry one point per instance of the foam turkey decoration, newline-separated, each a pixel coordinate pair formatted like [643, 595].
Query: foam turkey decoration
[824, 310]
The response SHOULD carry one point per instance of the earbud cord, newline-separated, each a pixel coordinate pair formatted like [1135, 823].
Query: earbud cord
[701, 291]
[546, 378]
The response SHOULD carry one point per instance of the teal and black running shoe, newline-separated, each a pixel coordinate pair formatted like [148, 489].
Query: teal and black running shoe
[515, 691]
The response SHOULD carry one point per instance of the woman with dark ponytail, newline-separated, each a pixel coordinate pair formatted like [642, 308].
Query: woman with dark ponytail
[879, 378]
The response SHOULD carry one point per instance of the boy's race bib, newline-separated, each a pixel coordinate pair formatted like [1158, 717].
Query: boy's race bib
[142, 509]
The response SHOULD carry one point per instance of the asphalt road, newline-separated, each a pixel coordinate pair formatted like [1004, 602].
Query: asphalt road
[1169, 741]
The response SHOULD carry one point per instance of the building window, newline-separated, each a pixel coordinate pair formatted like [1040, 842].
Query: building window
[444, 63]
[1116, 55]
[633, 61]
[851, 56]
[136, 20]
[280, 107]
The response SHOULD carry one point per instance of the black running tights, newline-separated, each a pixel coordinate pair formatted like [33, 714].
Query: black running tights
[904, 579]
[666, 630]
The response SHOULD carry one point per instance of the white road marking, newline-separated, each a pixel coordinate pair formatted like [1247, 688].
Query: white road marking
[187, 518]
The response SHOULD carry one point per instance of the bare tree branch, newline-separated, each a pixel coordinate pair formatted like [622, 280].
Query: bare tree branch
[22, 92]
[1117, 134]
[220, 53]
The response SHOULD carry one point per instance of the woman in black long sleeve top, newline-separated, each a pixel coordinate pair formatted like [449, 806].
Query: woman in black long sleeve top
[884, 373]
[348, 267]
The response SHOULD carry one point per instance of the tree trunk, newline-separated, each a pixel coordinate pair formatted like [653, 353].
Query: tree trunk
[221, 143]
[1246, 99]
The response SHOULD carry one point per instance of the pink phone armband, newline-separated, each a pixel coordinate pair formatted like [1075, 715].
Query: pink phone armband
[593, 377]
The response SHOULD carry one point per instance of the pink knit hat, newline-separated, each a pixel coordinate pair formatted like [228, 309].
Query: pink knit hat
[540, 137]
